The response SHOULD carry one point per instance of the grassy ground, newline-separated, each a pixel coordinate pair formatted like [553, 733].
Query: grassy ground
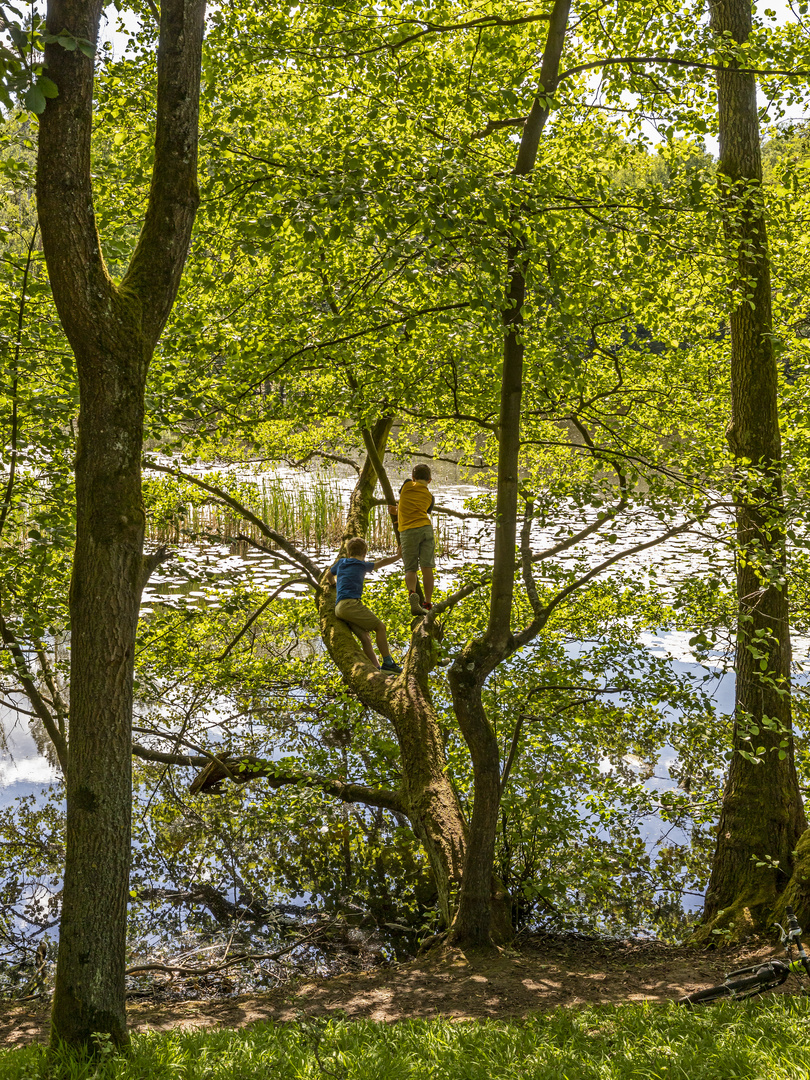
[765, 1041]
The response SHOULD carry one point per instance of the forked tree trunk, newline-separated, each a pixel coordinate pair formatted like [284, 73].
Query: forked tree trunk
[762, 815]
[113, 330]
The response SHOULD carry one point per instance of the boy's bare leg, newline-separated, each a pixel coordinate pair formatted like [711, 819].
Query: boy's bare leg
[368, 648]
[382, 641]
[411, 580]
[427, 579]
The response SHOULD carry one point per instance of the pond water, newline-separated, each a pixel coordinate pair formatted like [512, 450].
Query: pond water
[200, 571]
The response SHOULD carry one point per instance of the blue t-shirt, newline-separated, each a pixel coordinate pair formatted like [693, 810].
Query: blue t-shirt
[350, 574]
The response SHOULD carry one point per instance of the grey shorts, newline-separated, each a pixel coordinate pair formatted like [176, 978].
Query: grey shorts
[418, 548]
[357, 615]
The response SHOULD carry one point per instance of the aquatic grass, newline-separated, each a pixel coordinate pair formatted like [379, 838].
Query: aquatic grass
[765, 1041]
[313, 516]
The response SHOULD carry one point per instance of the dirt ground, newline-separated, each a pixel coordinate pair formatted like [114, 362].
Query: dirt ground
[538, 976]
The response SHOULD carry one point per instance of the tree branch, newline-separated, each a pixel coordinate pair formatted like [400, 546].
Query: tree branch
[64, 193]
[150, 563]
[161, 758]
[257, 613]
[526, 558]
[438, 28]
[316, 345]
[15, 378]
[533, 629]
[243, 769]
[447, 511]
[676, 61]
[512, 751]
[241, 959]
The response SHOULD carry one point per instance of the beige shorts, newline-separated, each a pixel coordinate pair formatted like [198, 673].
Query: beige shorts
[357, 615]
[418, 548]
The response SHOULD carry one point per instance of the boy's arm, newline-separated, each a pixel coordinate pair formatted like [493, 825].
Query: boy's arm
[330, 578]
[387, 562]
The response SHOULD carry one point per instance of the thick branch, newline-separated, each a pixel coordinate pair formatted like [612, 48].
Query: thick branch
[64, 194]
[498, 629]
[150, 563]
[159, 757]
[377, 465]
[246, 768]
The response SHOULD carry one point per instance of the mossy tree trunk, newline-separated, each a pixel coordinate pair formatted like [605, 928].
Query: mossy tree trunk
[113, 329]
[762, 815]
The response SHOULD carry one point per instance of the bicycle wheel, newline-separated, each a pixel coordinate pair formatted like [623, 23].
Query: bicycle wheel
[713, 993]
[765, 978]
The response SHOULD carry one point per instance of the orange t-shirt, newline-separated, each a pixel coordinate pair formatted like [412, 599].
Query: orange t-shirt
[415, 500]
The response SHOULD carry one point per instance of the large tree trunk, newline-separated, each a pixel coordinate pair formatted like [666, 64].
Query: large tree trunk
[480, 658]
[113, 331]
[762, 815]
[104, 602]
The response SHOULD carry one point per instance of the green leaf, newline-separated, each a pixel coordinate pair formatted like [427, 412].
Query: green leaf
[48, 86]
[35, 100]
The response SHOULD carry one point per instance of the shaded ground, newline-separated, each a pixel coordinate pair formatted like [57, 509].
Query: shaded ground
[542, 974]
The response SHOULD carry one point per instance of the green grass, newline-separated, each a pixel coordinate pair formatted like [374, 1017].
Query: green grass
[767, 1041]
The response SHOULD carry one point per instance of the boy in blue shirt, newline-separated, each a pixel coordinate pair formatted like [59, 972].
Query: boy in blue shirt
[349, 574]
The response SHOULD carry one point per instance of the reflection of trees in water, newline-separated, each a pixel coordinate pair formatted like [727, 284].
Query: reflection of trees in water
[48, 669]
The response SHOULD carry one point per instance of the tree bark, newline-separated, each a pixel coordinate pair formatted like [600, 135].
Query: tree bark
[113, 330]
[480, 658]
[762, 815]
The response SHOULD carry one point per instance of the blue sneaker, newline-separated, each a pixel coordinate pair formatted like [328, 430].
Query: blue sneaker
[389, 667]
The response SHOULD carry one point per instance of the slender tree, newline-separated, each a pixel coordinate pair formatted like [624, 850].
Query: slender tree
[480, 657]
[762, 815]
[113, 329]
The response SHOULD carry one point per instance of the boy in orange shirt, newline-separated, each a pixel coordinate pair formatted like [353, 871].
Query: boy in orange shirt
[416, 536]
